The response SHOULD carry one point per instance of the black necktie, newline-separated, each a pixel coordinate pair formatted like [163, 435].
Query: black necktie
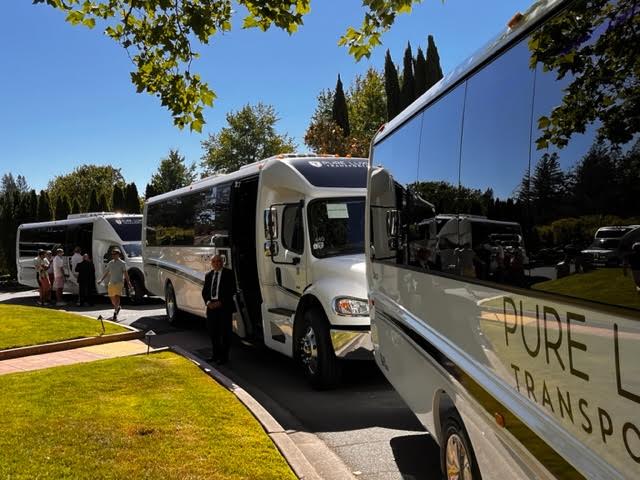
[214, 285]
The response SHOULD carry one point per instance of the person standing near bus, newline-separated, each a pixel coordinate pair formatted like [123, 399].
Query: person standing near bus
[116, 270]
[76, 258]
[217, 293]
[86, 280]
[58, 276]
[42, 266]
[49, 256]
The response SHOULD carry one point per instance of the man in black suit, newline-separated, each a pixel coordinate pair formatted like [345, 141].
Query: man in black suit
[217, 293]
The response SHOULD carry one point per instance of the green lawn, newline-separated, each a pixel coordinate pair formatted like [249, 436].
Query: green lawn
[155, 416]
[23, 326]
[607, 285]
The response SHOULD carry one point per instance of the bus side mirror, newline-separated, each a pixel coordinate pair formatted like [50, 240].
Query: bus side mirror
[271, 223]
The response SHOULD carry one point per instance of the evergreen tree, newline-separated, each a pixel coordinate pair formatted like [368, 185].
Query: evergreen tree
[103, 203]
[150, 191]
[420, 72]
[75, 206]
[434, 71]
[33, 207]
[132, 199]
[94, 206]
[172, 173]
[391, 87]
[44, 209]
[407, 91]
[117, 199]
[340, 112]
[62, 208]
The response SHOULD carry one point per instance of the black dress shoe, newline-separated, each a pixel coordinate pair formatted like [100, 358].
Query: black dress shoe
[210, 360]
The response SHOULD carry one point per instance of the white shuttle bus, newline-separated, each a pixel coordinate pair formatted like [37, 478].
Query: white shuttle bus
[521, 365]
[96, 233]
[291, 228]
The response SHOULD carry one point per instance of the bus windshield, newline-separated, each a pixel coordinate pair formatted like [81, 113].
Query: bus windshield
[129, 229]
[336, 226]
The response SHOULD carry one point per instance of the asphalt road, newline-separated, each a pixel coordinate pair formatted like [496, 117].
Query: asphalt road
[364, 421]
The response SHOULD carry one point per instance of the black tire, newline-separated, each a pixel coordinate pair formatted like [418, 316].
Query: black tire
[174, 315]
[137, 291]
[314, 351]
[457, 446]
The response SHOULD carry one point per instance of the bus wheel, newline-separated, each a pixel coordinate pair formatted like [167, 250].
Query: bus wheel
[315, 352]
[456, 454]
[173, 313]
[137, 291]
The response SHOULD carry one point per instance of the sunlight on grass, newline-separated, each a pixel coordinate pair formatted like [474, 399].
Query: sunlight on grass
[23, 326]
[155, 416]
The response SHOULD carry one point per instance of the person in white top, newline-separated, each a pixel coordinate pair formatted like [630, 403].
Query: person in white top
[58, 276]
[41, 265]
[76, 258]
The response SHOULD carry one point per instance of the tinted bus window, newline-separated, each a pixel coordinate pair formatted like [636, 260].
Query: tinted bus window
[395, 173]
[436, 191]
[128, 229]
[585, 167]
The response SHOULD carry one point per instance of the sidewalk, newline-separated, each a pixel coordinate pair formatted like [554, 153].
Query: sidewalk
[77, 355]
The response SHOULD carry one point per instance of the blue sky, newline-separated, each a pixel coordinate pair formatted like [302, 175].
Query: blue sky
[66, 98]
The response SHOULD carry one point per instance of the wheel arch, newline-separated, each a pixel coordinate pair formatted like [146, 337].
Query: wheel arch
[307, 302]
[442, 404]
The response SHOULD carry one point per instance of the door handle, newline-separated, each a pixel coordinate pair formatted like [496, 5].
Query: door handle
[295, 260]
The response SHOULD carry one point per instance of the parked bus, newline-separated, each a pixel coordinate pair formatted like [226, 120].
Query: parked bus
[526, 373]
[291, 228]
[95, 233]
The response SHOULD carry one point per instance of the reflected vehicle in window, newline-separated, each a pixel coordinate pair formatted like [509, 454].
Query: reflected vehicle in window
[503, 253]
[605, 251]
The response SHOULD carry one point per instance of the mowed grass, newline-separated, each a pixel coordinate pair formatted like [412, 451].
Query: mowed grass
[154, 416]
[606, 285]
[23, 326]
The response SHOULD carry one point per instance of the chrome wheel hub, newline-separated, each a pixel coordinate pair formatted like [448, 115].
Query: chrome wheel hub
[309, 350]
[171, 306]
[458, 466]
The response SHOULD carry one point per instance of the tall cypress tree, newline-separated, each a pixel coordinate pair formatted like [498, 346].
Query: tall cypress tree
[434, 71]
[62, 208]
[420, 73]
[132, 199]
[33, 207]
[103, 203]
[391, 87]
[118, 200]
[407, 92]
[75, 206]
[94, 206]
[339, 112]
[44, 208]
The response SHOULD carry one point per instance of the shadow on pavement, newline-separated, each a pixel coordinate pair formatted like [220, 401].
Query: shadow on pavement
[416, 456]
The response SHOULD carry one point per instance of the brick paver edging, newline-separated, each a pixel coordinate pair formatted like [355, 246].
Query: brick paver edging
[132, 334]
[292, 454]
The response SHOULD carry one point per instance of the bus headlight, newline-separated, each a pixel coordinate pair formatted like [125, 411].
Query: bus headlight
[354, 307]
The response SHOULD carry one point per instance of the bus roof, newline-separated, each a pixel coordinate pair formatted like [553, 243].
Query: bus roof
[537, 11]
[254, 169]
[75, 219]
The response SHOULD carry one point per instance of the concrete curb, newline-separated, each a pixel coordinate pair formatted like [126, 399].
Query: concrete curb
[280, 437]
[132, 334]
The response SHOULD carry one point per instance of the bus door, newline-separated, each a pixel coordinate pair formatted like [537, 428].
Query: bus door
[287, 256]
